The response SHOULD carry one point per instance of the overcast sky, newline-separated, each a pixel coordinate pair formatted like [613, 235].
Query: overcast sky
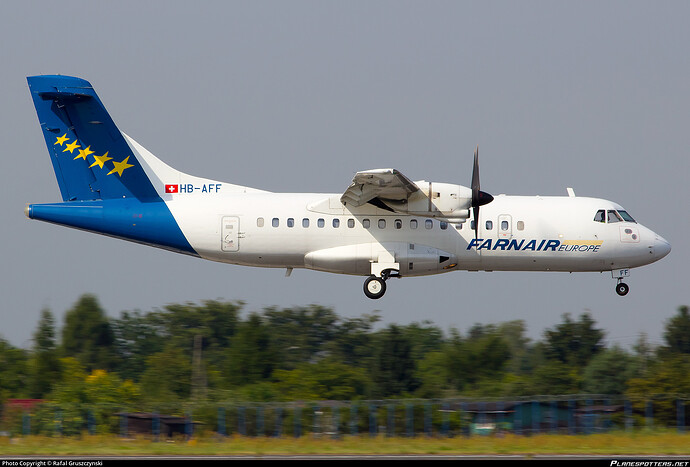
[298, 96]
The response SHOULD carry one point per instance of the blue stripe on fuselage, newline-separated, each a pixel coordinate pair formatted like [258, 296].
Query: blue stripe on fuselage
[150, 223]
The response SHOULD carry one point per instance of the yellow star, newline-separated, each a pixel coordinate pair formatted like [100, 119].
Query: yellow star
[61, 139]
[83, 153]
[100, 160]
[71, 147]
[119, 167]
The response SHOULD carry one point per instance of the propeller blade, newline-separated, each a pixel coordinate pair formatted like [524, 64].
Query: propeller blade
[475, 209]
[475, 173]
[479, 198]
[475, 191]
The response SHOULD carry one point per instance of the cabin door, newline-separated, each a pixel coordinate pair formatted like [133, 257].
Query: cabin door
[230, 230]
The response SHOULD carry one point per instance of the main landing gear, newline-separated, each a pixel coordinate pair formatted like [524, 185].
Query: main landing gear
[375, 287]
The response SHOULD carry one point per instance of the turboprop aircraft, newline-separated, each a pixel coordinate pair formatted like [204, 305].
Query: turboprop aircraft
[383, 225]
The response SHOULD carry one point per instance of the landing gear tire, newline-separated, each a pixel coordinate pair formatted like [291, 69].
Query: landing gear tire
[374, 287]
[622, 289]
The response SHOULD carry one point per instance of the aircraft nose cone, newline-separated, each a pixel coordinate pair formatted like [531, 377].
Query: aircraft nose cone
[661, 247]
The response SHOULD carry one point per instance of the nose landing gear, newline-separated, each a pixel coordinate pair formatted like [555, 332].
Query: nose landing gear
[622, 288]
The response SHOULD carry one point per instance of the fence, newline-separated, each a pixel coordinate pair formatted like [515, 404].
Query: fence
[574, 414]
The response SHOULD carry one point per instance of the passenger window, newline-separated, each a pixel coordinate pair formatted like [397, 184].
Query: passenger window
[382, 223]
[444, 225]
[472, 225]
[458, 226]
[504, 225]
[365, 223]
[613, 217]
[275, 222]
[291, 222]
[336, 223]
[320, 223]
[413, 224]
[521, 225]
[600, 216]
[489, 225]
[351, 223]
[305, 222]
[260, 222]
[428, 224]
[398, 224]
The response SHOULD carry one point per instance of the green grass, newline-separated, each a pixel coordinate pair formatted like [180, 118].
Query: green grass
[638, 443]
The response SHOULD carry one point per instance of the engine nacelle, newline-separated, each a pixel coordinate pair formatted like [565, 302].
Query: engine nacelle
[438, 200]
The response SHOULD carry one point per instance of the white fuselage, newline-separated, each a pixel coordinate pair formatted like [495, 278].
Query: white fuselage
[316, 231]
[242, 225]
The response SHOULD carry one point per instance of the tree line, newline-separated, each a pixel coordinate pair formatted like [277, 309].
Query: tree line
[213, 351]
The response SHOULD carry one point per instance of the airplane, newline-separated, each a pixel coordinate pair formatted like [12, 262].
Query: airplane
[383, 225]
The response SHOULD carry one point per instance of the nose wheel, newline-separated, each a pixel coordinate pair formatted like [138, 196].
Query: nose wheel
[622, 288]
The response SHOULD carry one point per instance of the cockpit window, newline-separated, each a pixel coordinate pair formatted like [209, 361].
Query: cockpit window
[613, 216]
[626, 217]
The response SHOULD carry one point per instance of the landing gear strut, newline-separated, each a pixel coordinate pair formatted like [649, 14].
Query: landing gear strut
[622, 288]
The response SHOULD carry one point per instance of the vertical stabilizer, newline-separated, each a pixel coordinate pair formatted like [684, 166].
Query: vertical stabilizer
[91, 159]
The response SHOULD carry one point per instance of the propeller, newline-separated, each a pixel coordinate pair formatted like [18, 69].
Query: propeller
[479, 198]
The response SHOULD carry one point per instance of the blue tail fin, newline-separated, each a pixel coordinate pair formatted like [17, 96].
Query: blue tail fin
[91, 159]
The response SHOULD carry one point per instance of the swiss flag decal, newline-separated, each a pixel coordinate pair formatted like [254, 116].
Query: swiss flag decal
[171, 188]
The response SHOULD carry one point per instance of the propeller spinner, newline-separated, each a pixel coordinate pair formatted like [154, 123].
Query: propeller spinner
[479, 198]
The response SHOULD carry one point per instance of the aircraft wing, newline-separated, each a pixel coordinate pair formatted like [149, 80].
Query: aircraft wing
[378, 183]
